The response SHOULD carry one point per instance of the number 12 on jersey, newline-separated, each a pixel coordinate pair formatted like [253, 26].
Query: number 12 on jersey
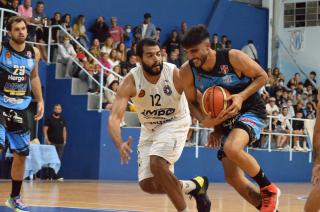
[155, 100]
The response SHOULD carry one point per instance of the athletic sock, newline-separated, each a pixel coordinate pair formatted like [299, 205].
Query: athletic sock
[16, 188]
[188, 186]
[261, 179]
[185, 210]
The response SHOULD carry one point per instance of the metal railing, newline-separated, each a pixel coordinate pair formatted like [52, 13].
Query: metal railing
[49, 46]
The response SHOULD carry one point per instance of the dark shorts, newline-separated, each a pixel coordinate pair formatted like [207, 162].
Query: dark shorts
[249, 122]
[14, 129]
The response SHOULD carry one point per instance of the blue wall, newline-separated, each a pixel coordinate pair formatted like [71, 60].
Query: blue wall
[239, 21]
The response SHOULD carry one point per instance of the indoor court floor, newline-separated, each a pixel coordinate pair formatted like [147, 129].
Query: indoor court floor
[87, 196]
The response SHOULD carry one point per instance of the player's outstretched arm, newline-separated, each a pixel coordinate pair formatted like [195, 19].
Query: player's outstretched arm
[125, 91]
[36, 86]
[316, 147]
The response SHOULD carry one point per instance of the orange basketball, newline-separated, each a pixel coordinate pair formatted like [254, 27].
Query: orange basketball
[214, 100]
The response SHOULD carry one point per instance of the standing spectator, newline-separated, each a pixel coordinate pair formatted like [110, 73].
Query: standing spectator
[224, 40]
[271, 106]
[100, 29]
[312, 76]
[108, 45]
[56, 20]
[25, 10]
[115, 31]
[66, 24]
[251, 50]
[172, 42]
[183, 29]
[66, 54]
[128, 36]
[129, 64]
[55, 132]
[38, 14]
[79, 31]
[146, 29]
[228, 44]
[215, 43]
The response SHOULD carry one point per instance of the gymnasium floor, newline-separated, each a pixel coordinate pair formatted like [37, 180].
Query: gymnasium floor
[87, 196]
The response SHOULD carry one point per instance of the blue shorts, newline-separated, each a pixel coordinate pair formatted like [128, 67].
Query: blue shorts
[15, 130]
[249, 122]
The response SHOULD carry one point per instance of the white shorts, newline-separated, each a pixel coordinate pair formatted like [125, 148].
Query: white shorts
[167, 141]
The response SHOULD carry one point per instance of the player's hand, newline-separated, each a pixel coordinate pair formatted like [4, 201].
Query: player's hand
[215, 139]
[209, 122]
[315, 174]
[40, 111]
[125, 151]
[235, 107]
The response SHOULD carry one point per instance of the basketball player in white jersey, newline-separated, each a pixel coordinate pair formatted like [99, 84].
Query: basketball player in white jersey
[313, 202]
[155, 88]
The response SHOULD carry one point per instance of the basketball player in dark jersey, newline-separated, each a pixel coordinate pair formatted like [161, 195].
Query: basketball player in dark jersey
[18, 75]
[241, 123]
[313, 202]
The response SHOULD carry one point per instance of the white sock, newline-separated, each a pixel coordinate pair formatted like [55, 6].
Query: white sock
[185, 210]
[187, 186]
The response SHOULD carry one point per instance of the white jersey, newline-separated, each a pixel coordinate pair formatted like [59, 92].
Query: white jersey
[158, 103]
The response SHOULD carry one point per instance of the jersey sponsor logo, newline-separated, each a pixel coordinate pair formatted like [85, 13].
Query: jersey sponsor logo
[15, 89]
[246, 119]
[16, 78]
[142, 93]
[167, 90]
[29, 54]
[159, 112]
[13, 116]
[11, 100]
[224, 69]
[8, 54]
[159, 122]
[227, 79]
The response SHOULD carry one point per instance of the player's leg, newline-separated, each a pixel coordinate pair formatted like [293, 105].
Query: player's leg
[236, 178]
[246, 129]
[313, 203]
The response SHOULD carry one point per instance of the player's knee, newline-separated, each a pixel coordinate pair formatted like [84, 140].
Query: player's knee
[231, 150]
[147, 186]
[19, 159]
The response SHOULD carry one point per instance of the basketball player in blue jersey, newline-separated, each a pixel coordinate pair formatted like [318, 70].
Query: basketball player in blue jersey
[313, 202]
[162, 109]
[18, 75]
[242, 122]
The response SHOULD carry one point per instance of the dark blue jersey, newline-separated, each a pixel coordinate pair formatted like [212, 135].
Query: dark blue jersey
[15, 71]
[224, 75]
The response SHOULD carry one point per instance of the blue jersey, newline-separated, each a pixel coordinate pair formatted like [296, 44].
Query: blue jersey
[224, 75]
[15, 71]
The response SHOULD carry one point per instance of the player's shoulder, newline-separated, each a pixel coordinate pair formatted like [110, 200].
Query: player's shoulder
[185, 68]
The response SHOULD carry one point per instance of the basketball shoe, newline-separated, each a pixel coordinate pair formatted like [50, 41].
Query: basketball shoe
[270, 198]
[200, 193]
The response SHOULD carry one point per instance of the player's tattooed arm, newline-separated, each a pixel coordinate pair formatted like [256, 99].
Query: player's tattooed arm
[245, 66]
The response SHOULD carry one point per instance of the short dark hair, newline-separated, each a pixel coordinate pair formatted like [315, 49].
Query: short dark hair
[195, 36]
[313, 73]
[40, 2]
[147, 15]
[15, 19]
[250, 41]
[145, 42]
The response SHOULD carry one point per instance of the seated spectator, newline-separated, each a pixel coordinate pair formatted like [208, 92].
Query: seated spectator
[113, 84]
[133, 49]
[117, 69]
[66, 54]
[277, 75]
[293, 82]
[174, 58]
[25, 10]
[279, 98]
[308, 90]
[106, 64]
[122, 52]
[291, 112]
[108, 45]
[271, 106]
[113, 58]
[312, 76]
[100, 29]
[282, 125]
[172, 42]
[92, 72]
[116, 32]
[6, 5]
[128, 36]
[215, 43]
[95, 48]
[79, 31]
[224, 40]
[158, 34]
[66, 24]
[298, 128]
[251, 50]
[164, 55]
[310, 110]
[129, 64]
[300, 88]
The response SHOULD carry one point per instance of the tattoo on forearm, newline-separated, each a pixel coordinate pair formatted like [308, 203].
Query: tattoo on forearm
[254, 196]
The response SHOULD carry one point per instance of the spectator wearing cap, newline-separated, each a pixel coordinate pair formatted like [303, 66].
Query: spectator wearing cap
[146, 29]
[312, 76]
[271, 106]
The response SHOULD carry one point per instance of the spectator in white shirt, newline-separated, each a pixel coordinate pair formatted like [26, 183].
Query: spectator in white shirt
[271, 106]
[66, 55]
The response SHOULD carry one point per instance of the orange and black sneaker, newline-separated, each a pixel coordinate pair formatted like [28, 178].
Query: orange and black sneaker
[200, 193]
[269, 198]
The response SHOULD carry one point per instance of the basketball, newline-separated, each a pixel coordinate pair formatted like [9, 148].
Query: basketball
[214, 100]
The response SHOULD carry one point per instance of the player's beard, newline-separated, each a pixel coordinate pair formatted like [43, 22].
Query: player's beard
[18, 40]
[202, 59]
[149, 69]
